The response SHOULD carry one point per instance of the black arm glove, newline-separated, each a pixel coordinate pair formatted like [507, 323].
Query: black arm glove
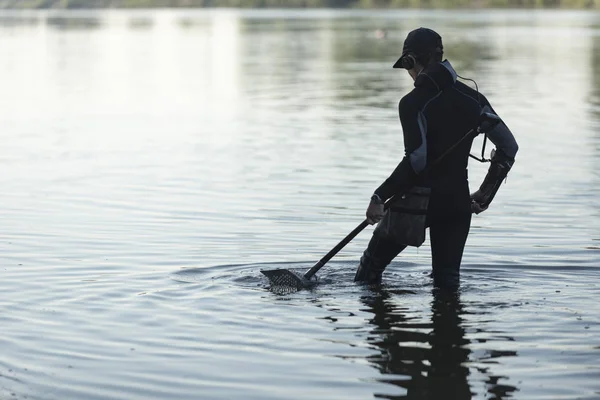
[497, 172]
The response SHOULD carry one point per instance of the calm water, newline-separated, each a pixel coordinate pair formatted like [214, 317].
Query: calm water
[154, 162]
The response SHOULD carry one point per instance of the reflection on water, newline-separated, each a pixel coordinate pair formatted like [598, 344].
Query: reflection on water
[65, 22]
[18, 19]
[141, 22]
[428, 360]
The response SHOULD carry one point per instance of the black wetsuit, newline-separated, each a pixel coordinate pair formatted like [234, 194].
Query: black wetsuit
[435, 115]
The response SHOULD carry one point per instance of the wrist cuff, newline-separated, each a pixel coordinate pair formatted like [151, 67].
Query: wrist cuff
[376, 199]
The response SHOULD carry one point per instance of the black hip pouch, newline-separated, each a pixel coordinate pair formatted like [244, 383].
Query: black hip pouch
[404, 222]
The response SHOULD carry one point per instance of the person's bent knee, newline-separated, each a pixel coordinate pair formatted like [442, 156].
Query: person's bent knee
[378, 254]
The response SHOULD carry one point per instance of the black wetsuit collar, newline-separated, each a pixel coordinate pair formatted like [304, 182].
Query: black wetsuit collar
[437, 76]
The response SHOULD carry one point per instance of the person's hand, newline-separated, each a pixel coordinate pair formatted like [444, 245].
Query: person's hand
[374, 212]
[477, 208]
[477, 200]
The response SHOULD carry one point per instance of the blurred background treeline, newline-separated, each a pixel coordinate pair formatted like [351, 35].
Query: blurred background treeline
[81, 4]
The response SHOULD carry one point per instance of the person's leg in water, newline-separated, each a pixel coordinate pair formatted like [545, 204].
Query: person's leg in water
[376, 257]
[448, 237]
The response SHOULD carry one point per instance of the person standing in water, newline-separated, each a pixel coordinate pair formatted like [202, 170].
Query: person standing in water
[435, 116]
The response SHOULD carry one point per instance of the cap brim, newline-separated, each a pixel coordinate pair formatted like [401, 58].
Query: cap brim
[398, 64]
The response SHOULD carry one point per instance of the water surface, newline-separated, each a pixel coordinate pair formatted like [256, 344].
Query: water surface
[154, 162]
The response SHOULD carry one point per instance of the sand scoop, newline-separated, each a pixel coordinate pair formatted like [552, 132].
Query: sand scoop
[287, 279]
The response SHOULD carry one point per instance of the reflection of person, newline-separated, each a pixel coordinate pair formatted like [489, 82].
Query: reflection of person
[435, 115]
[447, 375]
[437, 367]
[437, 372]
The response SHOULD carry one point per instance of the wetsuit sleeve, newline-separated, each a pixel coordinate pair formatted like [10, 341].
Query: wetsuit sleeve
[501, 163]
[414, 128]
[501, 136]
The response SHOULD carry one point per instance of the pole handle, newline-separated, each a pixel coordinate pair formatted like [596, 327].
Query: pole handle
[309, 274]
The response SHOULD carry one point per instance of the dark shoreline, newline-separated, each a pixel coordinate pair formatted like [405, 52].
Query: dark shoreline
[297, 4]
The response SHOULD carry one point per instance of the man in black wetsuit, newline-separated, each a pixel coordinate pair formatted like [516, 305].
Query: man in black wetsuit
[435, 115]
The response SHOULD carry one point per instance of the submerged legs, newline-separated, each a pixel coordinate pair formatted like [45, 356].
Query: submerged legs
[378, 254]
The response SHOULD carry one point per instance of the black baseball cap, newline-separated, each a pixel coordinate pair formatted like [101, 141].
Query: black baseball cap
[421, 42]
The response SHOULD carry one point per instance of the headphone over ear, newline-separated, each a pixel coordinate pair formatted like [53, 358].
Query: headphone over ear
[409, 60]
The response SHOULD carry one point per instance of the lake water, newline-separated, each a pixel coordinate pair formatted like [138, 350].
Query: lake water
[154, 161]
